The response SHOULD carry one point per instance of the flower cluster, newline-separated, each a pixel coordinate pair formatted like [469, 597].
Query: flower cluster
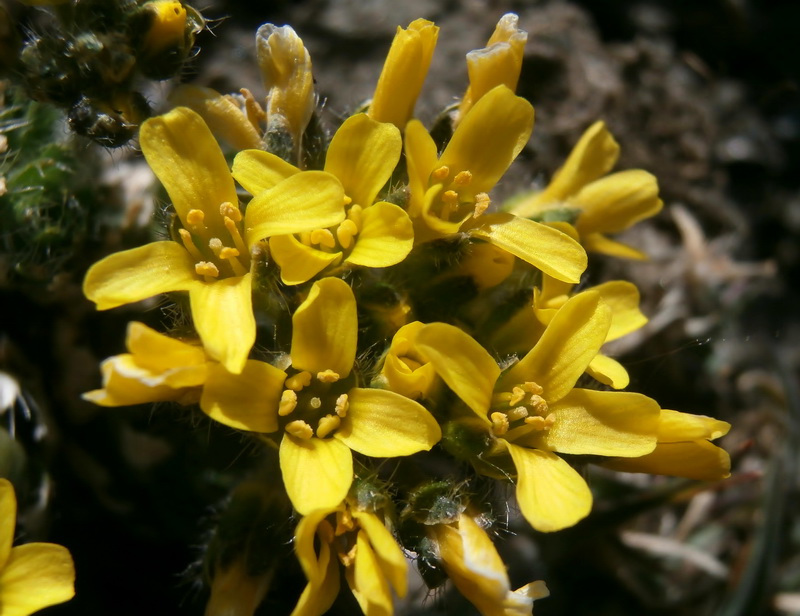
[361, 299]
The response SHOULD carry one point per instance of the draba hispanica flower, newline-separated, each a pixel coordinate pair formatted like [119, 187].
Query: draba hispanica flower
[34, 575]
[362, 155]
[212, 259]
[534, 411]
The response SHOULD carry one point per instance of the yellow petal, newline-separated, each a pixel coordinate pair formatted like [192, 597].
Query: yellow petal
[386, 236]
[8, 519]
[674, 426]
[570, 342]
[36, 576]
[421, 158]
[551, 494]
[222, 116]
[157, 352]
[489, 137]
[548, 249]
[305, 201]
[184, 155]
[608, 371]
[404, 371]
[304, 542]
[623, 299]
[368, 583]
[592, 157]
[616, 202]
[317, 473]
[133, 275]
[383, 424]
[246, 401]
[321, 571]
[393, 563]
[462, 363]
[325, 329]
[257, 170]
[363, 154]
[605, 246]
[698, 460]
[404, 73]
[602, 423]
[299, 263]
[223, 316]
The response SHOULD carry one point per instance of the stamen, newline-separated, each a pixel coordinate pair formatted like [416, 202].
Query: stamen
[539, 405]
[230, 225]
[323, 237]
[463, 178]
[450, 197]
[517, 394]
[350, 557]
[536, 422]
[499, 423]
[354, 214]
[305, 237]
[195, 218]
[207, 269]
[300, 429]
[501, 398]
[288, 402]
[228, 209]
[230, 254]
[517, 413]
[533, 388]
[188, 244]
[328, 376]
[440, 174]
[215, 244]
[255, 114]
[344, 522]
[327, 425]
[297, 381]
[315, 403]
[482, 203]
[347, 201]
[345, 233]
[342, 405]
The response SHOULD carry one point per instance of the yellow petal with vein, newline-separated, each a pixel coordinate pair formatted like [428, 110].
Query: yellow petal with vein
[616, 202]
[698, 460]
[383, 424]
[157, 352]
[325, 329]
[317, 472]
[133, 275]
[605, 246]
[608, 371]
[36, 576]
[257, 170]
[463, 364]
[674, 426]
[304, 537]
[223, 316]
[369, 586]
[421, 158]
[392, 561]
[386, 236]
[551, 494]
[246, 401]
[299, 263]
[623, 299]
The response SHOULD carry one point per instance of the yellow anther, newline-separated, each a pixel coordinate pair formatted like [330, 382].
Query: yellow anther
[206, 268]
[517, 413]
[328, 376]
[550, 420]
[450, 197]
[345, 233]
[228, 253]
[539, 405]
[440, 174]
[230, 225]
[296, 382]
[517, 394]
[255, 113]
[215, 244]
[288, 402]
[327, 425]
[532, 388]
[315, 403]
[300, 429]
[231, 211]
[499, 423]
[354, 214]
[195, 218]
[536, 422]
[342, 405]
[463, 178]
[347, 201]
[347, 559]
[344, 522]
[188, 244]
[482, 203]
[323, 237]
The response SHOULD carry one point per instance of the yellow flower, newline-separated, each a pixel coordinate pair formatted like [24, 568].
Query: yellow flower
[404, 73]
[32, 576]
[362, 155]
[605, 204]
[473, 564]
[212, 261]
[450, 194]
[499, 63]
[534, 411]
[358, 540]
[403, 370]
[683, 449]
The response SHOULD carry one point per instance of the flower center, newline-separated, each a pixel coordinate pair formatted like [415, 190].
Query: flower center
[216, 257]
[522, 409]
[458, 198]
[340, 238]
[340, 531]
[314, 405]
